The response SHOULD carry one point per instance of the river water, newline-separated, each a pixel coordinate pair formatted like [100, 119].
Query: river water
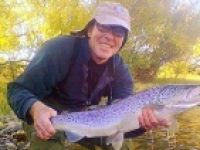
[187, 136]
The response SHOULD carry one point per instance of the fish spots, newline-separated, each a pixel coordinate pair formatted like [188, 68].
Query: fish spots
[114, 114]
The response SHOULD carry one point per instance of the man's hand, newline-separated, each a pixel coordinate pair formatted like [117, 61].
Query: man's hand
[148, 120]
[41, 115]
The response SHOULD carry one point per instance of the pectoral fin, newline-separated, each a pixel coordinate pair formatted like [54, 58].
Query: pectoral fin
[72, 137]
[116, 140]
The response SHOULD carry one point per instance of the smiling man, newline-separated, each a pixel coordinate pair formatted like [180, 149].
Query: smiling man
[73, 73]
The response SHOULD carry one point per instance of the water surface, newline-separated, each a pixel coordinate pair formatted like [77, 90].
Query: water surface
[187, 137]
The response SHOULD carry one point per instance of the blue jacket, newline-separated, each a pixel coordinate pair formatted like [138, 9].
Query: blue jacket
[51, 77]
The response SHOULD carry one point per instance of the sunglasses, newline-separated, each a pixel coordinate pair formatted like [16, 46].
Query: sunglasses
[116, 30]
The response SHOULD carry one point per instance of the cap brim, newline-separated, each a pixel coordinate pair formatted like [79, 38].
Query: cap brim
[110, 20]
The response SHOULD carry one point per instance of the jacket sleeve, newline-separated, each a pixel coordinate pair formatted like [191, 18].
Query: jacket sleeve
[122, 85]
[48, 67]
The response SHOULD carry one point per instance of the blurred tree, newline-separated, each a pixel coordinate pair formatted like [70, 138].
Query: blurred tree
[45, 19]
[196, 49]
[159, 36]
[162, 30]
[174, 69]
[28, 23]
[8, 38]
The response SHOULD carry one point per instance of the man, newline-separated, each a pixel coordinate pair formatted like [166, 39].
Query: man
[72, 73]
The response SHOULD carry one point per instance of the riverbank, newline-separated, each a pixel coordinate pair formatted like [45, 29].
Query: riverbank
[12, 136]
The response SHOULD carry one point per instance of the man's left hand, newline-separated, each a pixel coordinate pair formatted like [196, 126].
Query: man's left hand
[148, 119]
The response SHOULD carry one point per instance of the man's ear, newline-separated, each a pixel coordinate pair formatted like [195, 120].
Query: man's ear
[89, 32]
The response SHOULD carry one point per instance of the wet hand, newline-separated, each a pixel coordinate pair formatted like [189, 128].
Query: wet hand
[148, 120]
[41, 115]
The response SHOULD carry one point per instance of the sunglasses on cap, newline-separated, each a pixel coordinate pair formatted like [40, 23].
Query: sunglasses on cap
[116, 30]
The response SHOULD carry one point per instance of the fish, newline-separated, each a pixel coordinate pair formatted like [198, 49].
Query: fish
[114, 120]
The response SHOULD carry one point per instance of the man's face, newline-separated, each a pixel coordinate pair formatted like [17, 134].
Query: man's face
[105, 41]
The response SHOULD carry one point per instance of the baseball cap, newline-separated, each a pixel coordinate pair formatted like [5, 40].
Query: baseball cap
[110, 13]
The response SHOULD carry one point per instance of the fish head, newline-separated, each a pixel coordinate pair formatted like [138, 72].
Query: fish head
[188, 98]
[194, 93]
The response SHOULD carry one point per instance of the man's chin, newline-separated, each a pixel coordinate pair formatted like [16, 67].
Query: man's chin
[102, 59]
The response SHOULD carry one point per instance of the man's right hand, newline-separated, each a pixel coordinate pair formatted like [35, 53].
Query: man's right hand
[41, 115]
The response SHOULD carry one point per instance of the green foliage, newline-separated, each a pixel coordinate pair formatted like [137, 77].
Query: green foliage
[31, 22]
[159, 36]
[52, 18]
[174, 69]
[8, 72]
[196, 50]
[4, 107]
[8, 38]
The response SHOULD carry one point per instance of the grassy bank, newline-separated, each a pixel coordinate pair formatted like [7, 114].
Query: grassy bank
[4, 107]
